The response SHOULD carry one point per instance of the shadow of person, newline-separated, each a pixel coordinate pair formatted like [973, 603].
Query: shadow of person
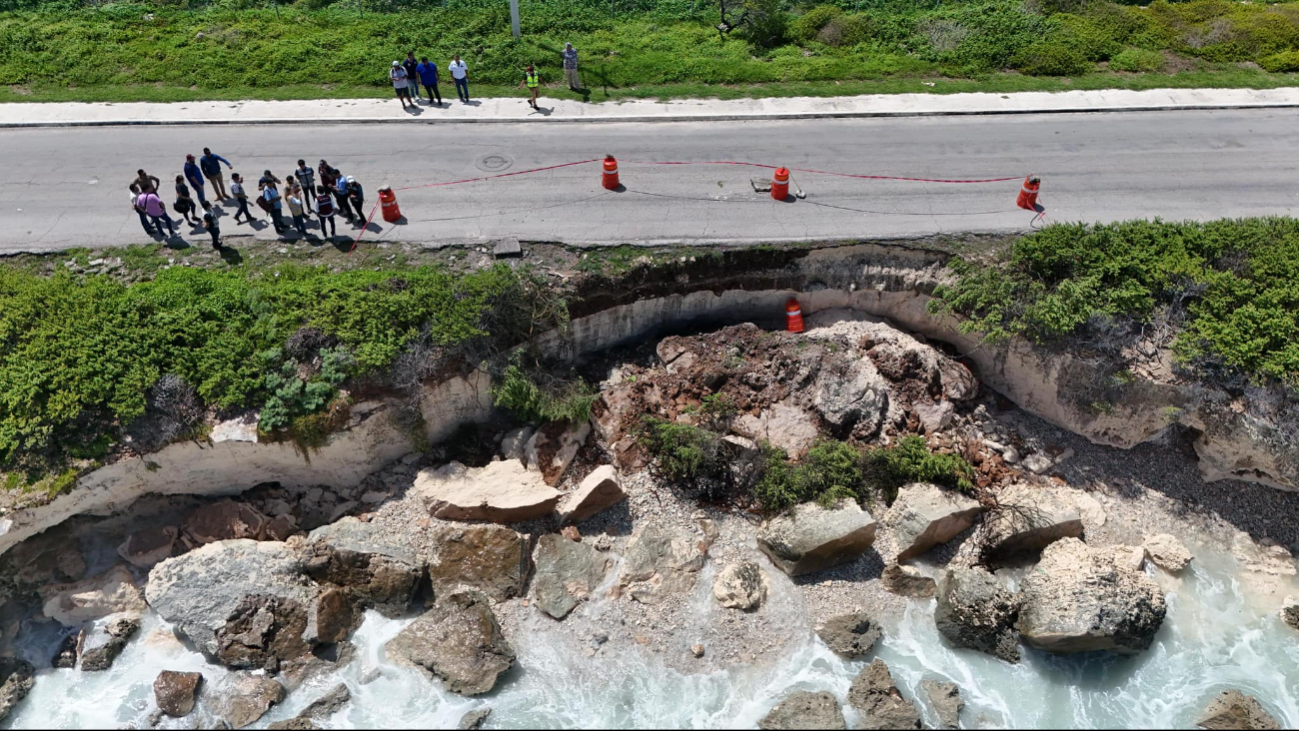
[474, 103]
[258, 224]
[543, 111]
[375, 227]
[177, 242]
[230, 256]
[414, 111]
[342, 243]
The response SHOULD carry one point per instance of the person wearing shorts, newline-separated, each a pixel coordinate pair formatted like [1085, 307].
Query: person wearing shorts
[399, 85]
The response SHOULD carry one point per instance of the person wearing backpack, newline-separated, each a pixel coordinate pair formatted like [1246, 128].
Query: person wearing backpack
[273, 205]
[212, 225]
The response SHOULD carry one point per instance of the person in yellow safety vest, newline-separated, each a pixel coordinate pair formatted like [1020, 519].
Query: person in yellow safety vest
[532, 81]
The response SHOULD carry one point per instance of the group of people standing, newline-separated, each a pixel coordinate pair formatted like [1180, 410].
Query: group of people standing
[334, 194]
[406, 77]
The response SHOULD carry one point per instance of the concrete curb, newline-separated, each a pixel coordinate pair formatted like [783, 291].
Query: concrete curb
[642, 119]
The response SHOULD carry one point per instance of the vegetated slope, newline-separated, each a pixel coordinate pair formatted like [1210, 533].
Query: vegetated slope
[59, 49]
[86, 361]
[1224, 294]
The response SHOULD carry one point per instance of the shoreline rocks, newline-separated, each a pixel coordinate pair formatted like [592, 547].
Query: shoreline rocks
[111, 592]
[850, 635]
[1082, 599]
[597, 492]
[567, 573]
[811, 538]
[976, 611]
[661, 561]
[16, 679]
[1167, 552]
[458, 641]
[103, 640]
[176, 692]
[1030, 519]
[924, 516]
[805, 710]
[742, 586]
[945, 699]
[879, 702]
[501, 492]
[1232, 709]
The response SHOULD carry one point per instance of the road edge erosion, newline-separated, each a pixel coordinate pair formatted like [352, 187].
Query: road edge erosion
[1234, 438]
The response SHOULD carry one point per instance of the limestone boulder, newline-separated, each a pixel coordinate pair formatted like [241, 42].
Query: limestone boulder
[878, 701]
[925, 515]
[101, 641]
[599, 491]
[783, 425]
[849, 392]
[812, 538]
[176, 692]
[1167, 552]
[246, 697]
[1083, 599]
[458, 641]
[1232, 709]
[16, 679]
[552, 448]
[501, 492]
[200, 591]
[805, 710]
[487, 558]
[907, 581]
[945, 700]
[514, 444]
[742, 585]
[660, 562]
[373, 573]
[975, 610]
[567, 573]
[850, 635]
[223, 521]
[146, 547]
[1030, 519]
[111, 592]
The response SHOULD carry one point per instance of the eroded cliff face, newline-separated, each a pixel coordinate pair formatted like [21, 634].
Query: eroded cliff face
[1248, 437]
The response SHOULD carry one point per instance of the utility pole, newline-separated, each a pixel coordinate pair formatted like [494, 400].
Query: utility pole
[514, 17]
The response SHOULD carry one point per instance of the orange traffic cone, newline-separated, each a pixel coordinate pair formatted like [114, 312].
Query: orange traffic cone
[780, 190]
[610, 178]
[1028, 194]
[793, 316]
[388, 201]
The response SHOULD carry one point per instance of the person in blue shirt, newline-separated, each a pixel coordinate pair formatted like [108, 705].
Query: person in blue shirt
[195, 177]
[210, 164]
[428, 75]
[274, 207]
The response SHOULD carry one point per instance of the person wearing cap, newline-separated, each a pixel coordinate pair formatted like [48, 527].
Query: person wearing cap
[195, 177]
[569, 54]
[532, 81]
[460, 75]
[398, 76]
[428, 76]
[356, 196]
[210, 164]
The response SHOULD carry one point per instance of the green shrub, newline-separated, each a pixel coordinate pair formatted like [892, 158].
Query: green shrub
[1284, 62]
[1234, 280]
[767, 23]
[805, 27]
[846, 30]
[1137, 59]
[911, 461]
[520, 395]
[1051, 59]
[682, 453]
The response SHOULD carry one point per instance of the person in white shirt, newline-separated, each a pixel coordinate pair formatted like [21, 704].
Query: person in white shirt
[398, 76]
[460, 75]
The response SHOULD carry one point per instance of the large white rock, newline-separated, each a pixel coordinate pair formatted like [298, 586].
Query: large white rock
[811, 538]
[784, 425]
[1030, 519]
[501, 492]
[1167, 552]
[552, 448]
[1082, 599]
[599, 491]
[111, 592]
[925, 515]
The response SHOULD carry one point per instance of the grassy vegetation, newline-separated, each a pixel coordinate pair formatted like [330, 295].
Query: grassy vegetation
[1230, 289]
[830, 471]
[87, 360]
[59, 50]
[556, 400]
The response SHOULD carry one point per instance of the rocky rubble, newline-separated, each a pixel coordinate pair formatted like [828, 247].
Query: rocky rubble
[661, 561]
[976, 611]
[246, 697]
[850, 635]
[567, 573]
[879, 702]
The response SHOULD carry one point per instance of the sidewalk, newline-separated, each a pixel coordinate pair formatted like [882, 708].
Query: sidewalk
[498, 110]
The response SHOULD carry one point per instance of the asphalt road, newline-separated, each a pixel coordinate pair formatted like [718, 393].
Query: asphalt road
[67, 187]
